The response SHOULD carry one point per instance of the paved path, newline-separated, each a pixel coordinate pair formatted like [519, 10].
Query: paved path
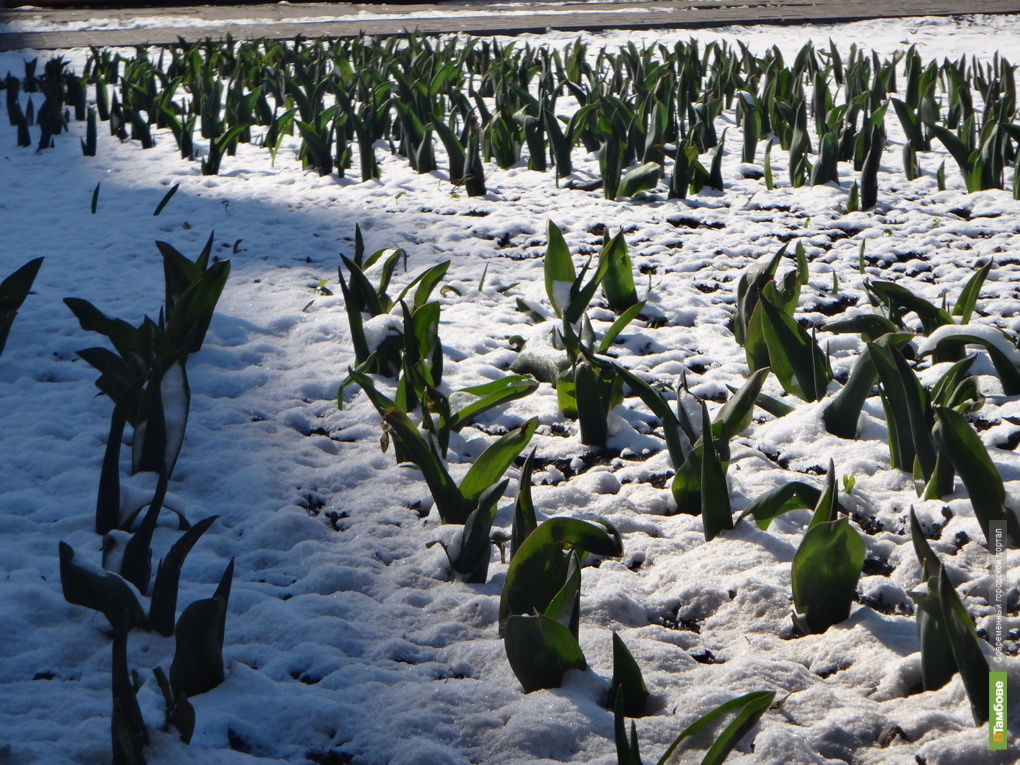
[76, 28]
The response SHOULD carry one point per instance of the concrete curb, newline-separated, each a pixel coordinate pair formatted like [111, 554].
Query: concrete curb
[78, 28]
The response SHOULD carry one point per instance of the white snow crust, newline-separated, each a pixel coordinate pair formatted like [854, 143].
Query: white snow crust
[345, 633]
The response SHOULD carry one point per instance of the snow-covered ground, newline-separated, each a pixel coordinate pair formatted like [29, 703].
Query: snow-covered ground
[345, 633]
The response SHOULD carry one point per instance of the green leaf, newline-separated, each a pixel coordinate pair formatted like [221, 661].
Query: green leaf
[841, 416]
[619, 325]
[491, 395]
[937, 663]
[127, 727]
[793, 495]
[926, 557]
[104, 592]
[797, 361]
[13, 291]
[1005, 368]
[827, 506]
[870, 326]
[716, 513]
[825, 572]
[108, 496]
[752, 281]
[958, 441]
[735, 718]
[618, 283]
[735, 415]
[136, 565]
[472, 559]
[715, 179]
[908, 411]
[536, 573]
[540, 651]
[197, 665]
[901, 300]
[966, 651]
[424, 283]
[677, 443]
[592, 410]
[627, 684]
[163, 605]
[490, 465]
[524, 507]
[559, 271]
[166, 199]
[565, 606]
[626, 751]
[642, 178]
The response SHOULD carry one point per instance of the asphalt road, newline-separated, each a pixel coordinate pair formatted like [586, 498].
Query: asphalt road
[80, 28]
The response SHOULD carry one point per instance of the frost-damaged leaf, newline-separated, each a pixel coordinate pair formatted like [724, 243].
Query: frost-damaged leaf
[627, 686]
[958, 441]
[825, 572]
[719, 731]
[104, 592]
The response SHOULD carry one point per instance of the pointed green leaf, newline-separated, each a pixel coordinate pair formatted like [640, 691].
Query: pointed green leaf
[735, 718]
[966, 652]
[627, 684]
[958, 441]
[540, 651]
[825, 572]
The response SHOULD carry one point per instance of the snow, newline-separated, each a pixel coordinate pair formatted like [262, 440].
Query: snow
[345, 632]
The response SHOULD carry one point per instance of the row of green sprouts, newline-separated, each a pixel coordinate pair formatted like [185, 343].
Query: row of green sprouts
[144, 373]
[651, 115]
[929, 437]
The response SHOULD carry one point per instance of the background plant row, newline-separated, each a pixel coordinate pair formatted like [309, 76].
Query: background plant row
[652, 114]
